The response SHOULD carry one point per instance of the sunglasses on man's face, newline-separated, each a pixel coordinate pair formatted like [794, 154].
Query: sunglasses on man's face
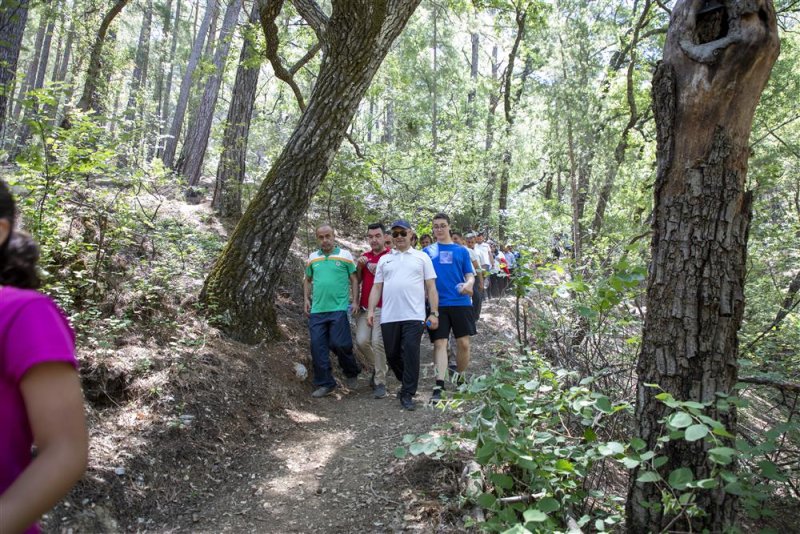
[399, 233]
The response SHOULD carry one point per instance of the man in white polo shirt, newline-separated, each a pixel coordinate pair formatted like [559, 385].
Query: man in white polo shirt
[401, 279]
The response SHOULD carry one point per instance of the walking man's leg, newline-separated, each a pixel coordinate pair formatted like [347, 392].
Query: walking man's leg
[379, 352]
[477, 302]
[462, 353]
[342, 345]
[370, 342]
[318, 330]
[412, 335]
[392, 342]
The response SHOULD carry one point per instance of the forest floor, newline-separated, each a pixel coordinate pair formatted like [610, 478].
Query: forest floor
[196, 433]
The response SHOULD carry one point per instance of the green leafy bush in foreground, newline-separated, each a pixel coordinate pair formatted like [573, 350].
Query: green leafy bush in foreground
[536, 439]
[538, 435]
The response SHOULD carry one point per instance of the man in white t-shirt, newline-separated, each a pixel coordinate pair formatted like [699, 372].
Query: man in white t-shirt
[484, 252]
[401, 279]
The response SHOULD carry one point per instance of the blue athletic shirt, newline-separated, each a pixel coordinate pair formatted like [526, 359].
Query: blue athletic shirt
[452, 264]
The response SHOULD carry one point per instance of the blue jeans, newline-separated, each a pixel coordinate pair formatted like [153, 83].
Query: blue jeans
[330, 331]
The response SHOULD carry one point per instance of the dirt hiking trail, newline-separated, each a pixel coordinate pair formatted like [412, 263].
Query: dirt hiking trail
[333, 468]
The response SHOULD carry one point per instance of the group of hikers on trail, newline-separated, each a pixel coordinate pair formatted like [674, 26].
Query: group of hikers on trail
[395, 293]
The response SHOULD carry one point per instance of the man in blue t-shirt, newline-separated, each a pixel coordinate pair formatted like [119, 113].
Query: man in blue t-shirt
[455, 278]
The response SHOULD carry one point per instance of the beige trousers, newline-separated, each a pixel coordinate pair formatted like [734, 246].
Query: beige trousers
[370, 342]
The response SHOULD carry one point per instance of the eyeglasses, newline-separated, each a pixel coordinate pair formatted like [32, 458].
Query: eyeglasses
[399, 233]
[440, 227]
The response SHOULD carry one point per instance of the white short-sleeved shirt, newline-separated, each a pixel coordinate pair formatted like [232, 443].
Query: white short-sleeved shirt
[403, 276]
[483, 253]
[473, 256]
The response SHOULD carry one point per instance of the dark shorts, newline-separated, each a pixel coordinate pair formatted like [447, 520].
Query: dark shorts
[459, 319]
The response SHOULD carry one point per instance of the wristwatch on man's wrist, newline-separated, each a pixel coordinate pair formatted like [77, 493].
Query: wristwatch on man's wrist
[435, 313]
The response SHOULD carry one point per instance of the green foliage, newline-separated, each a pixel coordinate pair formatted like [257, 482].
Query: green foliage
[534, 430]
[754, 472]
[108, 257]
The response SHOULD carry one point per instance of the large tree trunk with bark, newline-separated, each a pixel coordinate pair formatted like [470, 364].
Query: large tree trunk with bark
[194, 148]
[356, 39]
[13, 16]
[705, 92]
[230, 171]
[89, 98]
[186, 84]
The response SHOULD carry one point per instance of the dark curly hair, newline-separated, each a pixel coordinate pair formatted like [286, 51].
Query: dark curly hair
[18, 253]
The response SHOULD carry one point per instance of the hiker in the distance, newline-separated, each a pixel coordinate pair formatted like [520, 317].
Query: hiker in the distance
[330, 288]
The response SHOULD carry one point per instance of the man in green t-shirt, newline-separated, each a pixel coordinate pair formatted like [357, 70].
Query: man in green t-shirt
[330, 287]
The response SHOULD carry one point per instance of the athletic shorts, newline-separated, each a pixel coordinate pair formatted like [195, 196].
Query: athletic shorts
[459, 319]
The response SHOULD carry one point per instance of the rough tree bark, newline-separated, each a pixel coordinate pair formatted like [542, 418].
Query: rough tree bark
[230, 171]
[13, 15]
[705, 92]
[89, 97]
[194, 148]
[186, 85]
[355, 41]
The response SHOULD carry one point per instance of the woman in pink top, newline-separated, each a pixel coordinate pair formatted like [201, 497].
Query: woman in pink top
[40, 395]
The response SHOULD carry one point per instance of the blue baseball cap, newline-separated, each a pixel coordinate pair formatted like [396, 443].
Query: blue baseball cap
[401, 223]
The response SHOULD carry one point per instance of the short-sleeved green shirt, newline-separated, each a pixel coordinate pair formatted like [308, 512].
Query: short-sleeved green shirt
[331, 278]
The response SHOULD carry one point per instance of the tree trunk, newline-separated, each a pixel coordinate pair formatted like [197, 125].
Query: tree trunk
[89, 97]
[165, 101]
[242, 283]
[622, 144]
[44, 55]
[199, 81]
[491, 174]
[473, 78]
[388, 124]
[33, 68]
[232, 161]
[65, 59]
[186, 85]
[133, 110]
[13, 16]
[705, 92]
[43, 59]
[548, 185]
[59, 43]
[194, 148]
[509, 101]
[65, 90]
[212, 32]
[559, 187]
[141, 62]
